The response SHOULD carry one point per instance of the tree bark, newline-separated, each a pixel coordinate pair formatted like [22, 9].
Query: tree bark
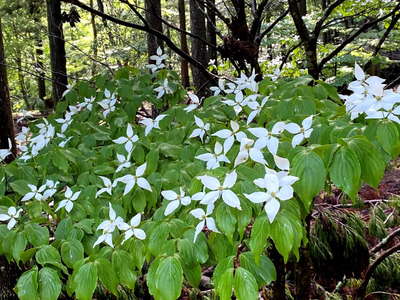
[278, 288]
[57, 50]
[6, 120]
[184, 44]
[153, 18]
[211, 33]
[94, 32]
[199, 49]
[302, 5]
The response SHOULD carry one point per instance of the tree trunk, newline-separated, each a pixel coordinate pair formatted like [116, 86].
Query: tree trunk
[278, 288]
[302, 5]
[184, 44]
[94, 44]
[57, 50]
[199, 49]
[211, 34]
[21, 78]
[153, 18]
[6, 120]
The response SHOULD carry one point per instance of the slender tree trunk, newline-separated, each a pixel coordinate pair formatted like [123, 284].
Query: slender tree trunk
[211, 34]
[21, 79]
[41, 83]
[184, 44]
[57, 49]
[94, 44]
[6, 120]
[153, 18]
[199, 49]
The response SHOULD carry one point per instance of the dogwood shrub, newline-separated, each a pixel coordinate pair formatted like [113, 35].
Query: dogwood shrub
[106, 193]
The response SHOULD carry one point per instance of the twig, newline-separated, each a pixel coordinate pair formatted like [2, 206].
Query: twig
[385, 241]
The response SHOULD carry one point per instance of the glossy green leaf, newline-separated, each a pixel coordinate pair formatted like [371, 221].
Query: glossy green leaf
[49, 284]
[245, 285]
[85, 281]
[27, 285]
[169, 278]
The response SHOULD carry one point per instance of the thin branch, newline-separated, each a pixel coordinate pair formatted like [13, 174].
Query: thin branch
[257, 20]
[385, 241]
[270, 27]
[286, 57]
[391, 26]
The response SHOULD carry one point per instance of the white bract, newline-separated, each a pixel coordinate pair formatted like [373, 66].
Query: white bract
[301, 133]
[65, 122]
[4, 153]
[68, 203]
[108, 227]
[218, 89]
[87, 103]
[213, 159]
[217, 190]
[35, 193]
[129, 140]
[245, 82]
[239, 102]
[108, 185]
[278, 187]
[67, 90]
[268, 138]
[132, 230]
[201, 131]
[163, 89]
[194, 103]
[109, 103]
[256, 109]
[230, 135]
[150, 123]
[25, 114]
[176, 200]
[123, 162]
[158, 61]
[205, 220]
[11, 216]
[51, 189]
[131, 180]
[249, 149]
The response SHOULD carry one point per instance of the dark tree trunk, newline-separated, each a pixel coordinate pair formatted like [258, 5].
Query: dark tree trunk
[184, 44]
[6, 120]
[211, 34]
[57, 49]
[95, 43]
[302, 5]
[278, 288]
[153, 18]
[199, 49]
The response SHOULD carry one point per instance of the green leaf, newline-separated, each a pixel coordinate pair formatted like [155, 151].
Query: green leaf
[345, 171]
[283, 235]
[169, 278]
[373, 165]
[388, 136]
[49, 255]
[85, 281]
[225, 285]
[49, 284]
[226, 220]
[20, 187]
[264, 271]
[245, 285]
[152, 161]
[71, 252]
[19, 246]
[123, 265]
[36, 234]
[27, 285]
[107, 275]
[259, 235]
[310, 170]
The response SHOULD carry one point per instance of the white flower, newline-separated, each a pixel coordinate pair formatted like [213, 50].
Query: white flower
[22, 136]
[245, 82]
[4, 153]
[51, 189]
[256, 109]
[274, 76]
[213, 159]
[163, 89]
[65, 141]
[11, 216]
[392, 114]
[131, 180]
[249, 149]
[65, 122]
[205, 220]
[238, 103]
[278, 187]
[176, 200]
[108, 227]
[108, 105]
[201, 131]
[25, 114]
[124, 162]
[268, 138]
[67, 90]
[150, 123]
[87, 103]
[230, 135]
[128, 140]
[220, 88]
[34, 193]
[108, 185]
[301, 133]
[194, 103]
[68, 201]
[218, 190]
[158, 61]
[132, 230]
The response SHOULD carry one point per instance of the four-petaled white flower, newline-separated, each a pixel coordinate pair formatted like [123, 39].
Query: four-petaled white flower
[268, 138]
[176, 200]
[163, 89]
[108, 105]
[213, 159]
[194, 103]
[132, 230]
[201, 131]
[249, 149]
[65, 122]
[150, 123]
[68, 203]
[108, 185]
[108, 227]
[301, 133]
[51, 189]
[217, 190]
[220, 88]
[87, 103]
[230, 135]
[124, 161]
[158, 61]
[239, 102]
[256, 109]
[35, 193]
[205, 220]
[131, 180]
[278, 187]
[128, 140]
[4, 153]
[11, 216]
